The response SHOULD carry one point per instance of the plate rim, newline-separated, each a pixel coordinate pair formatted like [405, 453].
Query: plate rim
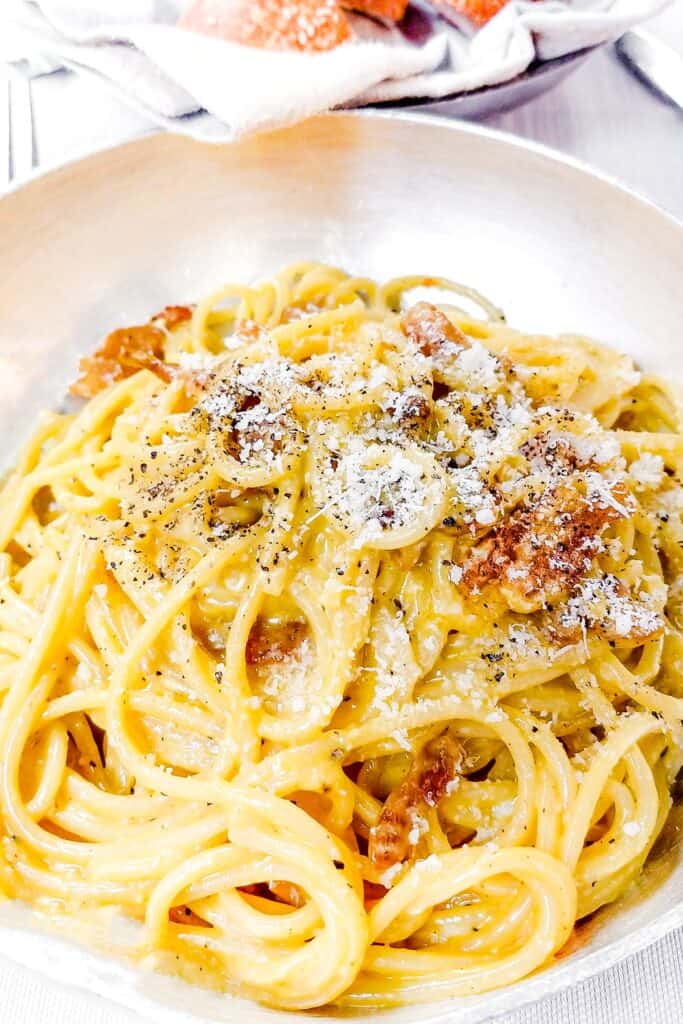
[451, 124]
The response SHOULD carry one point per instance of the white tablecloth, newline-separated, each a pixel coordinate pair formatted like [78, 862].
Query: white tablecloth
[605, 117]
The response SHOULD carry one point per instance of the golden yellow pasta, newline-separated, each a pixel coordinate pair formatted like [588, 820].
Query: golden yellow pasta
[340, 641]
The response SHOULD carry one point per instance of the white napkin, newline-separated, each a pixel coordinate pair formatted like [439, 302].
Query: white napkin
[219, 91]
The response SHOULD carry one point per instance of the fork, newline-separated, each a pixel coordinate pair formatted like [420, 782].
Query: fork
[17, 138]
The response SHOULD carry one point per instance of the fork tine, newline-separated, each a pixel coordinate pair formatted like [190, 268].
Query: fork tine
[5, 134]
[21, 127]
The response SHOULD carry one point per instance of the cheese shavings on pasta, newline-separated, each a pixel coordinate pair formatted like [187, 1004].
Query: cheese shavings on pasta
[340, 638]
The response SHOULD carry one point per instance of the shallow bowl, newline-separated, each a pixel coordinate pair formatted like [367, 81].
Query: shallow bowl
[110, 239]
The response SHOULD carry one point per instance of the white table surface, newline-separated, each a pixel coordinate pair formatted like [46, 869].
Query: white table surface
[603, 116]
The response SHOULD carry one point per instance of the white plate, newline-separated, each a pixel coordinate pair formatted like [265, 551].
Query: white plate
[114, 237]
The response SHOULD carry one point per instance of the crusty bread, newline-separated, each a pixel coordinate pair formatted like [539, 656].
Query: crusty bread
[387, 10]
[478, 11]
[271, 24]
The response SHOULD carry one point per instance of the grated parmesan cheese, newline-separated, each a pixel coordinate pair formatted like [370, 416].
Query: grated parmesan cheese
[648, 470]
[388, 877]
[480, 367]
[455, 573]
[401, 737]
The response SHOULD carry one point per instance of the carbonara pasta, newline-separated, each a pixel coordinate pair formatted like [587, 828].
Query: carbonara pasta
[340, 641]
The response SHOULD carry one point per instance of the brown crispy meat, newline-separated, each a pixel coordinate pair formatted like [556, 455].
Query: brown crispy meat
[129, 349]
[558, 453]
[123, 353]
[425, 784]
[288, 892]
[431, 330]
[542, 550]
[410, 410]
[184, 915]
[272, 643]
[174, 315]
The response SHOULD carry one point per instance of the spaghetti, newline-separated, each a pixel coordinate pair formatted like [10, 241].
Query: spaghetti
[340, 637]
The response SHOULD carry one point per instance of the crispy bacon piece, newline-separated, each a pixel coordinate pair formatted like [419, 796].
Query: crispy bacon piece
[288, 892]
[372, 892]
[478, 11]
[386, 10]
[426, 783]
[309, 25]
[556, 452]
[253, 889]
[129, 349]
[542, 550]
[174, 315]
[123, 353]
[250, 427]
[431, 330]
[410, 409]
[183, 915]
[272, 643]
